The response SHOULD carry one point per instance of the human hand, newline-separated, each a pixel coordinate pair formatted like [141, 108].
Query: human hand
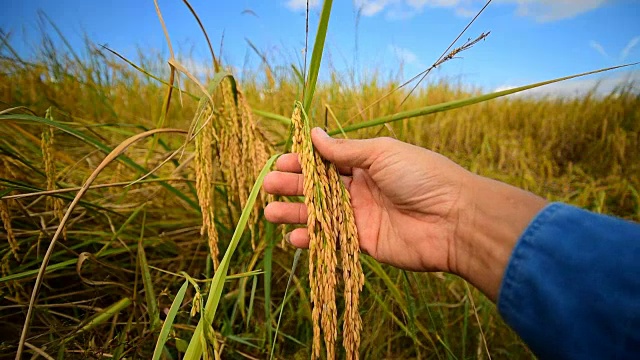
[405, 199]
[415, 209]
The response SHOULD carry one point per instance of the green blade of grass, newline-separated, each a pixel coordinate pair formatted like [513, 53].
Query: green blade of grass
[254, 285]
[194, 351]
[216, 64]
[100, 146]
[50, 269]
[268, 270]
[63, 264]
[102, 317]
[296, 258]
[121, 229]
[269, 115]
[149, 293]
[389, 283]
[316, 56]
[168, 322]
[432, 109]
[411, 308]
[385, 307]
[298, 75]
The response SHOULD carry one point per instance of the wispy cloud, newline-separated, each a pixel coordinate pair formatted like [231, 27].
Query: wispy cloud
[466, 12]
[627, 49]
[405, 56]
[371, 7]
[552, 10]
[296, 5]
[624, 54]
[599, 48]
[540, 10]
[601, 86]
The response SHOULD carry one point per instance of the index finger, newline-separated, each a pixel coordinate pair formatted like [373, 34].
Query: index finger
[290, 162]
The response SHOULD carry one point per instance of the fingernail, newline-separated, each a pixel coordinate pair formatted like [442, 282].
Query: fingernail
[287, 237]
[321, 132]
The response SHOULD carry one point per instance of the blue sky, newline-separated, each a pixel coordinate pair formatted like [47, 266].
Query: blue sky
[531, 40]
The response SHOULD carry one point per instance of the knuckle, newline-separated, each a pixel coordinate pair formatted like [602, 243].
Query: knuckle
[386, 141]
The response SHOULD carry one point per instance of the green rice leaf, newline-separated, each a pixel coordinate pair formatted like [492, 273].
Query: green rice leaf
[296, 258]
[194, 351]
[149, 293]
[316, 56]
[168, 322]
[102, 317]
[268, 115]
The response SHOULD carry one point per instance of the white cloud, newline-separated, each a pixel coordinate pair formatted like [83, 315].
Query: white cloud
[541, 10]
[551, 10]
[371, 7]
[504, 87]
[624, 54]
[465, 12]
[598, 47]
[405, 56]
[627, 49]
[296, 5]
[603, 86]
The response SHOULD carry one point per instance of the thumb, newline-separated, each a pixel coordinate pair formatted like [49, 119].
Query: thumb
[346, 152]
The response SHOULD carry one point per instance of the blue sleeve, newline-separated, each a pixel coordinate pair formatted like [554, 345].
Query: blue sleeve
[571, 289]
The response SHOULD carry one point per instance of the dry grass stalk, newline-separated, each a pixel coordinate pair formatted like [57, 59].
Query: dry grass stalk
[330, 219]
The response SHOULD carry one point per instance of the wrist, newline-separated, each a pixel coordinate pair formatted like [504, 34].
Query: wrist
[491, 218]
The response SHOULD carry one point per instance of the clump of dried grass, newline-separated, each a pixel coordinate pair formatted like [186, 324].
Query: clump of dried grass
[330, 219]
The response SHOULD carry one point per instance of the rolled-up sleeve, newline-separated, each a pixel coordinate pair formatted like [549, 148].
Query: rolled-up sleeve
[571, 289]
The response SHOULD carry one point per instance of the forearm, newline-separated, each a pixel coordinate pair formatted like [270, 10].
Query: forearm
[492, 217]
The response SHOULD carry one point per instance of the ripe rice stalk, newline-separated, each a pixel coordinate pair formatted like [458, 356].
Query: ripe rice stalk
[5, 215]
[330, 220]
[230, 132]
[46, 145]
[11, 168]
[204, 169]
[351, 267]
[243, 147]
